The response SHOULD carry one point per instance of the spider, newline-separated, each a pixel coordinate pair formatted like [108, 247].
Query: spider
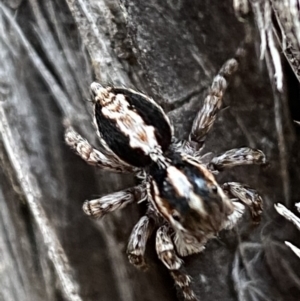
[186, 205]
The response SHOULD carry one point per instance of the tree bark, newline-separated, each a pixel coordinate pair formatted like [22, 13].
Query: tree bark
[50, 53]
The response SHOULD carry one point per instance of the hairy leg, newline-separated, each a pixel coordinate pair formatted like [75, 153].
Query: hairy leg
[93, 156]
[236, 157]
[117, 200]
[247, 196]
[166, 253]
[212, 103]
[137, 242]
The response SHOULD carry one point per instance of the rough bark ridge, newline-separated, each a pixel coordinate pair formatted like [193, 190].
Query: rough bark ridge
[50, 53]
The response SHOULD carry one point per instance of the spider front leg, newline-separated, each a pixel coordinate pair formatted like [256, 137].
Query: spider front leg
[138, 240]
[212, 104]
[236, 157]
[99, 207]
[166, 253]
[247, 196]
[93, 156]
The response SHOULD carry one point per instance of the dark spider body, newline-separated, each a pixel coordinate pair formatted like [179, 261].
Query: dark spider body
[186, 204]
[183, 191]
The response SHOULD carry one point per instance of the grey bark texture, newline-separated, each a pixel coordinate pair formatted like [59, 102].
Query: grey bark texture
[50, 53]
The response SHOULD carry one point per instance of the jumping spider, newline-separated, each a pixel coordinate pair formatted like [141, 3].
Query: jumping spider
[185, 203]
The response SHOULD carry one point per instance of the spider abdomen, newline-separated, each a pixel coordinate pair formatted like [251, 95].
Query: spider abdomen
[134, 127]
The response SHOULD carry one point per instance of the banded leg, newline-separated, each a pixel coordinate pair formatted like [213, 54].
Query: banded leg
[166, 253]
[212, 103]
[247, 196]
[236, 157]
[93, 156]
[117, 200]
[137, 242]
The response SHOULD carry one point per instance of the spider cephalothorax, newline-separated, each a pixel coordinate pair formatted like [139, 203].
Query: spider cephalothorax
[188, 196]
[186, 204]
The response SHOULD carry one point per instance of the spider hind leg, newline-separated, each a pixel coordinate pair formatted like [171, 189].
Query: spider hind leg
[93, 156]
[206, 116]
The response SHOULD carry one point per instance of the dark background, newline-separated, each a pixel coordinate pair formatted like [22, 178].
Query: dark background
[50, 53]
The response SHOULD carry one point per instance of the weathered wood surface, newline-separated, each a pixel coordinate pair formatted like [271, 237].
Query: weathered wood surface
[50, 52]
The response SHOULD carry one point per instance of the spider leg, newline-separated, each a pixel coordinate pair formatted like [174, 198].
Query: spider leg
[166, 253]
[137, 242]
[236, 157]
[247, 196]
[212, 103]
[93, 156]
[117, 200]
